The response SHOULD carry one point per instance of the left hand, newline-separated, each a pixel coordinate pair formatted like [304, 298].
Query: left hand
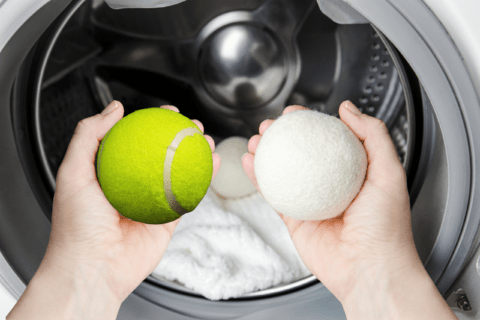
[87, 230]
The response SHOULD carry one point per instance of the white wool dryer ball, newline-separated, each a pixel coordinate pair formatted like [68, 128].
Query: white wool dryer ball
[309, 165]
[231, 181]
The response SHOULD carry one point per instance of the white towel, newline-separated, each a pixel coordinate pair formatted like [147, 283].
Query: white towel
[223, 255]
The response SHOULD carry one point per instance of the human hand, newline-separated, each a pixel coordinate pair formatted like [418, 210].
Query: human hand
[90, 241]
[372, 240]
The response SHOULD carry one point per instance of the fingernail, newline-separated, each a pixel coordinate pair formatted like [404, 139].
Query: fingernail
[169, 105]
[112, 106]
[352, 108]
[245, 155]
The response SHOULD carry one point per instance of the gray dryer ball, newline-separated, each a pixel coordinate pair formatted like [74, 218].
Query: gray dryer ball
[231, 180]
[309, 165]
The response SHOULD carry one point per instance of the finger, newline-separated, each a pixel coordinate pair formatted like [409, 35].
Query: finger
[264, 125]
[216, 164]
[287, 220]
[267, 123]
[169, 107]
[210, 142]
[247, 162]
[173, 108]
[253, 143]
[383, 162]
[292, 224]
[162, 233]
[170, 227]
[128, 223]
[294, 108]
[199, 125]
[80, 156]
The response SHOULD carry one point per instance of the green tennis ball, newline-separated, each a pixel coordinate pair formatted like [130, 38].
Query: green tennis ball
[154, 165]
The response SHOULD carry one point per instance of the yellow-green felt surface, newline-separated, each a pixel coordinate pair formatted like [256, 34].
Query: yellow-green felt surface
[131, 160]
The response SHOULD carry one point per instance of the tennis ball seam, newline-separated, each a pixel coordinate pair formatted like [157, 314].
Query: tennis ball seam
[167, 169]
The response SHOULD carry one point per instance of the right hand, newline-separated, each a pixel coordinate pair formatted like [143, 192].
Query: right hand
[373, 238]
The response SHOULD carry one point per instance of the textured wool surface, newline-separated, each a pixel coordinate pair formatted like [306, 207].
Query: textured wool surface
[309, 165]
[222, 255]
[231, 180]
[130, 165]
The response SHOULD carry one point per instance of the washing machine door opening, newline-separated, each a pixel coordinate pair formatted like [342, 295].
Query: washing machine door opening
[93, 54]
[87, 64]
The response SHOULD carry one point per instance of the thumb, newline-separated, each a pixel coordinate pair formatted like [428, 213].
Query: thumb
[384, 165]
[79, 161]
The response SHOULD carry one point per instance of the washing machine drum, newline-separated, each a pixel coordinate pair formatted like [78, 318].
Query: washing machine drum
[233, 64]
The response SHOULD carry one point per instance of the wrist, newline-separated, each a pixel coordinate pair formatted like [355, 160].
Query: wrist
[387, 292]
[373, 296]
[58, 292]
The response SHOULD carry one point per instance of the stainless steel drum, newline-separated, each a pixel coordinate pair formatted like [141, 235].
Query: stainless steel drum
[241, 67]
[232, 64]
